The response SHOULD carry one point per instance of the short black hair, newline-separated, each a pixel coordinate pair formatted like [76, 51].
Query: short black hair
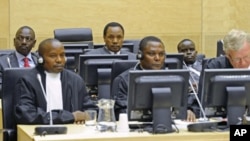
[112, 24]
[43, 43]
[145, 40]
[24, 27]
[179, 44]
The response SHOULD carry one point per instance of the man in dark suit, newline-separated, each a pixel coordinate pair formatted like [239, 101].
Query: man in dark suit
[51, 87]
[24, 41]
[151, 56]
[113, 35]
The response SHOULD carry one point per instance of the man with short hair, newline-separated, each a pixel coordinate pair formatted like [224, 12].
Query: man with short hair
[49, 86]
[113, 36]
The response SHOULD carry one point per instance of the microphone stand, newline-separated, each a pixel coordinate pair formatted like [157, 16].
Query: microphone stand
[49, 129]
[195, 94]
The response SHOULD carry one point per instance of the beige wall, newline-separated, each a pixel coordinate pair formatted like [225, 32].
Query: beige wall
[204, 21]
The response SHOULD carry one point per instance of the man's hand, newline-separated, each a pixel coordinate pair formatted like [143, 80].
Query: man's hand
[80, 117]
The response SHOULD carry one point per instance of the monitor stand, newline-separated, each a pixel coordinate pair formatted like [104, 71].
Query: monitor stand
[235, 105]
[162, 121]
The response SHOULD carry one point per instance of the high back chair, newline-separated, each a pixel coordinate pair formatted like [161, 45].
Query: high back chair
[119, 66]
[74, 35]
[75, 41]
[10, 77]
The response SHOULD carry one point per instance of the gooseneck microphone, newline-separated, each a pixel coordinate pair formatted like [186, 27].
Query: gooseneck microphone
[48, 129]
[8, 61]
[47, 99]
[195, 94]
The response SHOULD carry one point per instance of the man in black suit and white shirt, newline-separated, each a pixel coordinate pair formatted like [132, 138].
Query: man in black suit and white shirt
[113, 35]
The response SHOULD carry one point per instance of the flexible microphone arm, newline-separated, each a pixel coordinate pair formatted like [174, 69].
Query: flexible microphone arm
[195, 94]
[8, 61]
[47, 99]
[136, 65]
[49, 129]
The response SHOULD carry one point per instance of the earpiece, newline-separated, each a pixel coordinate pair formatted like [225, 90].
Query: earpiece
[139, 55]
[40, 60]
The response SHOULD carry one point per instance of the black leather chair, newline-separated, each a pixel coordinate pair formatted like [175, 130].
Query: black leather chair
[6, 51]
[74, 35]
[136, 43]
[75, 40]
[10, 77]
[220, 50]
[119, 66]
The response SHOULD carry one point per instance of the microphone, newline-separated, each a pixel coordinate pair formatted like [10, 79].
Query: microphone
[8, 61]
[195, 94]
[136, 65]
[48, 129]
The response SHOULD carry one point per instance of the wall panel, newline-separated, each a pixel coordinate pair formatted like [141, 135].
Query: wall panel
[204, 21]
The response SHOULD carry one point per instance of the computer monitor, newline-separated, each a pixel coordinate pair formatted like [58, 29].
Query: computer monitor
[125, 46]
[75, 48]
[90, 64]
[228, 89]
[175, 60]
[72, 52]
[152, 94]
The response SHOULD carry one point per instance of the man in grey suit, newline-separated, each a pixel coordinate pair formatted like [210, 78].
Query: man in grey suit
[24, 41]
[113, 35]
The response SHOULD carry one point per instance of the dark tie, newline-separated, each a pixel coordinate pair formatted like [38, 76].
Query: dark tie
[26, 62]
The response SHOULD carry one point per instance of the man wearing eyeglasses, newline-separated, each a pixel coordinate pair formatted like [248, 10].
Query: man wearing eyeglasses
[237, 51]
[24, 41]
[236, 45]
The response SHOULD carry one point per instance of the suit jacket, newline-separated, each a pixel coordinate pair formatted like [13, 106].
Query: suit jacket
[103, 50]
[12, 63]
[31, 104]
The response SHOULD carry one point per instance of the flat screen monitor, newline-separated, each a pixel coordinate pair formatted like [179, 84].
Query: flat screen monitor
[74, 48]
[153, 95]
[72, 52]
[227, 89]
[175, 60]
[90, 64]
[125, 46]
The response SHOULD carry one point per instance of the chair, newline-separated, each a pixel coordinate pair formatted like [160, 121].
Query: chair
[136, 43]
[119, 66]
[220, 50]
[75, 40]
[6, 51]
[200, 57]
[74, 35]
[10, 77]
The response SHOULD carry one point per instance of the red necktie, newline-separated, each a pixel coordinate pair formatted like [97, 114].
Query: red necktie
[26, 62]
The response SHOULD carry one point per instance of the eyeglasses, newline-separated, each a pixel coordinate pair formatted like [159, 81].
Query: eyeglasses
[237, 60]
[21, 38]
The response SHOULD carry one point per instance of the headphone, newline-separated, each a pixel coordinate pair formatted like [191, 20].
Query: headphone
[139, 55]
[40, 60]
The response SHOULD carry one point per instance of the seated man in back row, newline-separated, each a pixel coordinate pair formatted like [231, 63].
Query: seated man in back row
[194, 65]
[152, 57]
[113, 35]
[50, 87]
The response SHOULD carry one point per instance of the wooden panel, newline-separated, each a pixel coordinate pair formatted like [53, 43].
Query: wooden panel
[4, 24]
[219, 17]
[139, 18]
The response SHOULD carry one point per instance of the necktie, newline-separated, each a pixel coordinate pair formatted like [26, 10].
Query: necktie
[26, 62]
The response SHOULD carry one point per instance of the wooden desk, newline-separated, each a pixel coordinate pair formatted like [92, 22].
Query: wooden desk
[81, 133]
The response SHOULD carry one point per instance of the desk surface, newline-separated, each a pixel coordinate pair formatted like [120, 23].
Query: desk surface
[81, 133]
